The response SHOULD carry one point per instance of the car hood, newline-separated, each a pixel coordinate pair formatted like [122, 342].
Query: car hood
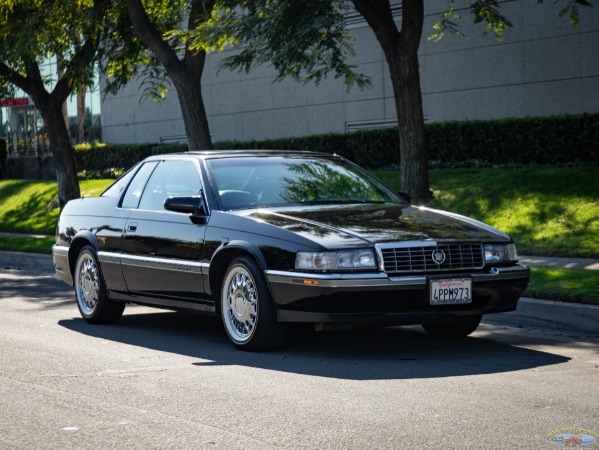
[351, 225]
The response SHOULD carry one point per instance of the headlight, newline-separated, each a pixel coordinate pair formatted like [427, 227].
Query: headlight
[497, 253]
[347, 259]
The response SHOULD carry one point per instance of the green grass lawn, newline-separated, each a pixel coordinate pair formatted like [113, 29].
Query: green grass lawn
[565, 285]
[27, 244]
[547, 211]
[28, 206]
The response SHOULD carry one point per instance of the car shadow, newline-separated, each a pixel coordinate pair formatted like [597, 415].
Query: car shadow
[353, 354]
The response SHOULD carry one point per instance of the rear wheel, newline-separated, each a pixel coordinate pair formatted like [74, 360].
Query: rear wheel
[458, 327]
[90, 290]
[247, 308]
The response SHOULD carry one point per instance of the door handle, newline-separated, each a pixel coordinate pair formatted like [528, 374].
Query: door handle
[132, 227]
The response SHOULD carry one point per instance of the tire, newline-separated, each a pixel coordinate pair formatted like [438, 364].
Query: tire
[458, 327]
[247, 308]
[90, 290]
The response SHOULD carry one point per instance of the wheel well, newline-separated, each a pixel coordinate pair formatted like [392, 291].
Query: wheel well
[74, 250]
[219, 264]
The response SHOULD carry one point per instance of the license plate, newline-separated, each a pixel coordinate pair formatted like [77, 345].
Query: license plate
[451, 291]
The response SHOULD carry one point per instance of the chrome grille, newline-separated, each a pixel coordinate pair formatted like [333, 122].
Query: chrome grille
[419, 258]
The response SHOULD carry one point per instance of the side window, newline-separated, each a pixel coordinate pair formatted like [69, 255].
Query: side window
[133, 194]
[170, 179]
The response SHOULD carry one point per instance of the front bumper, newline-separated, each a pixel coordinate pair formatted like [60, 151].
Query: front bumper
[379, 299]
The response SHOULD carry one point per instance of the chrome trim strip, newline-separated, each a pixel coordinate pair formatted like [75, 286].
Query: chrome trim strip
[503, 273]
[344, 280]
[60, 250]
[205, 306]
[173, 265]
[109, 257]
[402, 244]
[370, 280]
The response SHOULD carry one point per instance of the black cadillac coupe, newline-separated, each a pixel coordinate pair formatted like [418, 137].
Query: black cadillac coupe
[268, 238]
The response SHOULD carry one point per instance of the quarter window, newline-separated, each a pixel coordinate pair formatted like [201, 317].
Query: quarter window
[133, 194]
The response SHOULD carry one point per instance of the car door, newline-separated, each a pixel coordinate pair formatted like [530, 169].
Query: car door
[162, 250]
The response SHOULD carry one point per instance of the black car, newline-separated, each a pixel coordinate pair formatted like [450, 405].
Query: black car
[268, 238]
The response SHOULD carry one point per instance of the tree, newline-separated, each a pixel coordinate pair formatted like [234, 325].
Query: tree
[33, 31]
[306, 39]
[150, 23]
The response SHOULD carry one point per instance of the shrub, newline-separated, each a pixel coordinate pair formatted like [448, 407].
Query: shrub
[558, 140]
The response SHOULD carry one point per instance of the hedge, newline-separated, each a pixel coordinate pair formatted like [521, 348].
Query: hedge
[558, 140]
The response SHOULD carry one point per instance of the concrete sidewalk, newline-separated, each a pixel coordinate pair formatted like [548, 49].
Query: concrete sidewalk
[564, 317]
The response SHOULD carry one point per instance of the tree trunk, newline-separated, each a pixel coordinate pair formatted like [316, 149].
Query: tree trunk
[189, 90]
[81, 113]
[60, 74]
[186, 73]
[405, 77]
[64, 155]
[401, 52]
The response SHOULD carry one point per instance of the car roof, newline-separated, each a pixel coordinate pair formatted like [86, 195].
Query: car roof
[209, 154]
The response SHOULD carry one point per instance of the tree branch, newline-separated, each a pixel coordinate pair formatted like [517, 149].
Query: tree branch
[379, 17]
[196, 58]
[143, 28]
[82, 58]
[14, 77]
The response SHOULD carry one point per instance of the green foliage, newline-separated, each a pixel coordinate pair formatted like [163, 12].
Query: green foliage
[303, 40]
[33, 31]
[572, 9]
[110, 160]
[536, 141]
[489, 13]
[126, 56]
[544, 141]
[540, 140]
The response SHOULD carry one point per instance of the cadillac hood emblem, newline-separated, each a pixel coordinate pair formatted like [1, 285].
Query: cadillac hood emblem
[438, 256]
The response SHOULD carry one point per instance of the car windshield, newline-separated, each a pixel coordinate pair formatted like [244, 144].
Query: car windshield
[250, 182]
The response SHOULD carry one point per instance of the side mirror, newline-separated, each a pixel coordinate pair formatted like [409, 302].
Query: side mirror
[407, 197]
[188, 205]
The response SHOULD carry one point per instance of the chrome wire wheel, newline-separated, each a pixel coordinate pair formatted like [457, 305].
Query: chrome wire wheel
[240, 304]
[87, 283]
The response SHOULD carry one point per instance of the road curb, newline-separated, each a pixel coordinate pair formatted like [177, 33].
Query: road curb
[568, 317]
[26, 261]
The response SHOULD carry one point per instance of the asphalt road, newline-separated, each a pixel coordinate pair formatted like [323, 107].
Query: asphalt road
[163, 380]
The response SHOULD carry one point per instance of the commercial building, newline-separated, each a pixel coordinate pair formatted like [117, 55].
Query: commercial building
[544, 66]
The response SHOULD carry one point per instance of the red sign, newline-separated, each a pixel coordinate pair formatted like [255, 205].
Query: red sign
[15, 102]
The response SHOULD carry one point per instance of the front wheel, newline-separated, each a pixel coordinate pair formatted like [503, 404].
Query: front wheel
[458, 327]
[247, 308]
[90, 290]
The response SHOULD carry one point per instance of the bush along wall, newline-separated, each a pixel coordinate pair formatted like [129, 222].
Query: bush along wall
[559, 140]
